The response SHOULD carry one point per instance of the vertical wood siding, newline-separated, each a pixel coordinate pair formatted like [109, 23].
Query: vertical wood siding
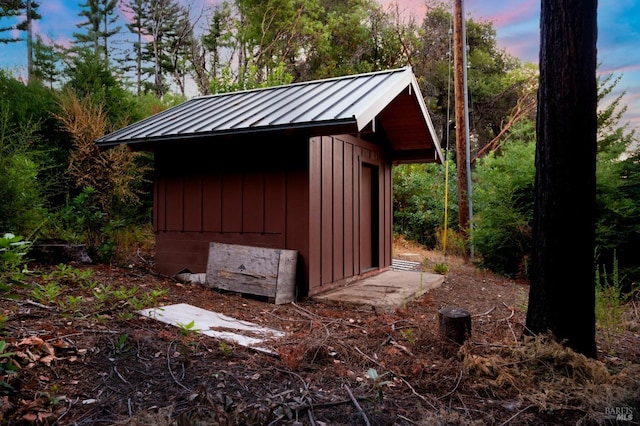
[201, 199]
[335, 167]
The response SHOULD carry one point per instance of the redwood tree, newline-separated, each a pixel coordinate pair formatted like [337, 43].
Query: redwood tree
[562, 293]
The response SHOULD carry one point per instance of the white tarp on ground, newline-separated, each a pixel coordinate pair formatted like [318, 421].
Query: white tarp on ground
[215, 325]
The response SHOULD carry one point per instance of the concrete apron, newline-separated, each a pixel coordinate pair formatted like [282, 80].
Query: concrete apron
[385, 291]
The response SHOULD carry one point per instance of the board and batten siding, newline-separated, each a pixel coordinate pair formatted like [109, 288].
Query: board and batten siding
[335, 173]
[197, 202]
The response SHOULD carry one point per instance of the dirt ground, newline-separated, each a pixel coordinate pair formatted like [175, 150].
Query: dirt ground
[77, 354]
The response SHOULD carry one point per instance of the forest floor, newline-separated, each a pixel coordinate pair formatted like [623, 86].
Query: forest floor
[77, 353]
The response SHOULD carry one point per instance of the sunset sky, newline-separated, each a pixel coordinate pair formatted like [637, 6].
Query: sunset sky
[516, 23]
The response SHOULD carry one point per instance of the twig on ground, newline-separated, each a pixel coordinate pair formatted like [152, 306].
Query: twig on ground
[312, 420]
[396, 328]
[366, 356]
[516, 415]
[402, 348]
[119, 375]
[407, 419]
[513, 312]
[484, 313]
[39, 305]
[305, 311]
[454, 388]
[422, 397]
[355, 402]
[171, 371]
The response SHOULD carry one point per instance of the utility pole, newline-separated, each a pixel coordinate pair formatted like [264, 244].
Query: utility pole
[462, 121]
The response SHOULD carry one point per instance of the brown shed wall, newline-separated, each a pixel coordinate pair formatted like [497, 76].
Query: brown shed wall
[241, 193]
[335, 210]
[305, 196]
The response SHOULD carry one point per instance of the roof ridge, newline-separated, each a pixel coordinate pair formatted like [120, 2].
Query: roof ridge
[307, 82]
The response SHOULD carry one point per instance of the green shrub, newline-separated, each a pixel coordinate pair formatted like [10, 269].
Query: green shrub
[419, 202]
[22, 207]
[609, 301]
[13, 250]
[503, 202]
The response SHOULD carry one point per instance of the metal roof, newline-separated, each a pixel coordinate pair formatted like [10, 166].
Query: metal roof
[351, 104]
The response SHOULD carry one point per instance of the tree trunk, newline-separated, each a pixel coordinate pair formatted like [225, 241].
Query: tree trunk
[562, 292]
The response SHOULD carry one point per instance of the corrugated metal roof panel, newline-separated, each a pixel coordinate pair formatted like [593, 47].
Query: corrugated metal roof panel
[351, 100]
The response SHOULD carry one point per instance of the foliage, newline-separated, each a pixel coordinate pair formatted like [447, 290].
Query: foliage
[618, 188]
[503, 203]
[419, 201]
[22, 206]
[84, 219]
[99, 15]
[12, 256]
[377, 383]
[609, 300]
[187, 328]
[114, 173]
[7, 366]
[28, 119]
[74, 291]
[90, 78]
[492, 90]
[441, 268]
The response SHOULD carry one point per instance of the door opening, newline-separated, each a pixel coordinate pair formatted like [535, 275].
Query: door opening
[369, 218]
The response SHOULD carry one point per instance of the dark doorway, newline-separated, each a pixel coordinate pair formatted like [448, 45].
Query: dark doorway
[369, 235]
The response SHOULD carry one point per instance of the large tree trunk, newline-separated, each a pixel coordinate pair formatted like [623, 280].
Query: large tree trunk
[562, 293]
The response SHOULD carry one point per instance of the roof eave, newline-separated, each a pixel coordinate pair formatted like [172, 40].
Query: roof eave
[315, 128]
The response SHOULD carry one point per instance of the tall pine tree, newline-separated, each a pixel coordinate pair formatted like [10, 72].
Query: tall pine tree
[101, 15]
[135, 12]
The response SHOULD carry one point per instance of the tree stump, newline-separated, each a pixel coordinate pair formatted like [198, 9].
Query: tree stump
[455, 325]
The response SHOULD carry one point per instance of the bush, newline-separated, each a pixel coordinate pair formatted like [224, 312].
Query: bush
[419, 201]
[503, 203]
[12, 252]
[22, 207]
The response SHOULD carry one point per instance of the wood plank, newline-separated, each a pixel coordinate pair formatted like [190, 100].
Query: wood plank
[338, 210]
[315, 203]
[274, 202]
[253, 202]
[326, 209]
[252, 270]
[286, 281]
[232, 202]
[212, 203]
[174, 204]
[193, 203]
[350, 166]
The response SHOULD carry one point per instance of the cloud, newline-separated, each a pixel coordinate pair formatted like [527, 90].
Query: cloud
[504, 15]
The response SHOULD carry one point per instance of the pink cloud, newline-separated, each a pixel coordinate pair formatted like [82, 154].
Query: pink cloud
[503, 15]
[623, 69]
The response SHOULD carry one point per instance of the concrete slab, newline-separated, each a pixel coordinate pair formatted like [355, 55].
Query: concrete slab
[386, 291]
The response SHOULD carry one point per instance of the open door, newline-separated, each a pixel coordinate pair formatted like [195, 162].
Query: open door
[369, 217]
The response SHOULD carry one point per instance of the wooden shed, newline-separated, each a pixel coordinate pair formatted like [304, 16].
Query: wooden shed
[304, 166]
